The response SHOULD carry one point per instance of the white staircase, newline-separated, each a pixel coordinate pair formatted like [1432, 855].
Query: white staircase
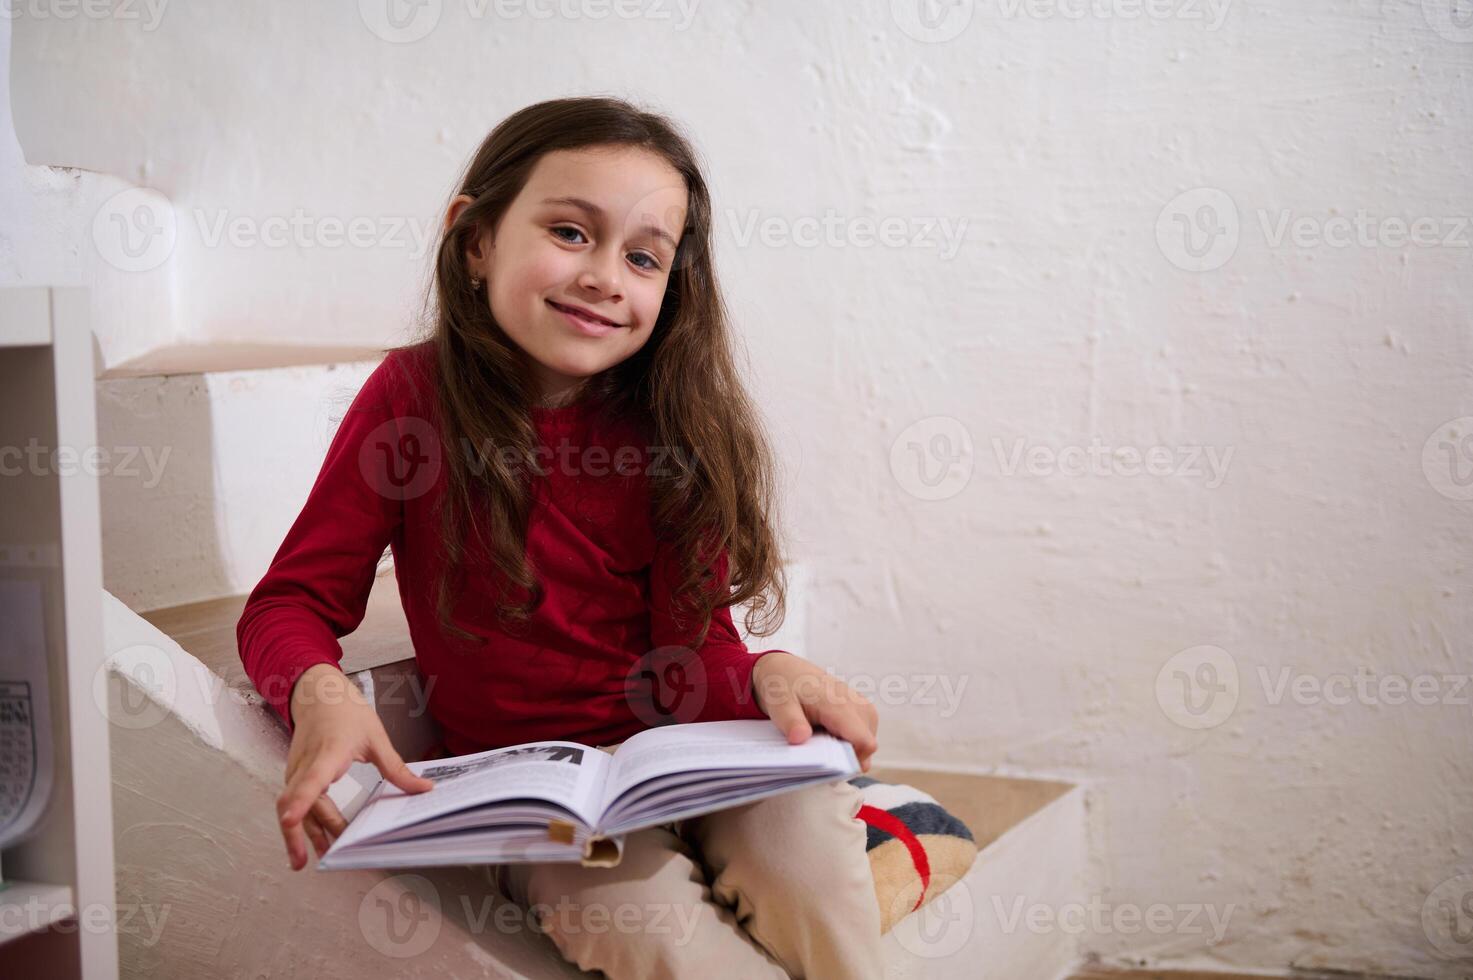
[198, 758]
[197, 762]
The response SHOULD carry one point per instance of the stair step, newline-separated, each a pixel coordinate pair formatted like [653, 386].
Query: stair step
[211, 358]
[216, 858]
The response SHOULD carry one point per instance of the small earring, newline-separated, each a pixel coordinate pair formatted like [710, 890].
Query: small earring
[475, 282]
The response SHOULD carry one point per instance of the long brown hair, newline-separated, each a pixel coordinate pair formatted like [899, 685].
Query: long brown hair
[681, 388]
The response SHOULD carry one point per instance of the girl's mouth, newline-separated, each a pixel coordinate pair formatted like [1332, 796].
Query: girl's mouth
[585, 325]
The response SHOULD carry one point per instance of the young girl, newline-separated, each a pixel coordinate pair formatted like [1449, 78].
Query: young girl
[575, 487]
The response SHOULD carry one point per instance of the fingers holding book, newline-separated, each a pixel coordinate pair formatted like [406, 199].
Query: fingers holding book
[334, 726]
[797, 695]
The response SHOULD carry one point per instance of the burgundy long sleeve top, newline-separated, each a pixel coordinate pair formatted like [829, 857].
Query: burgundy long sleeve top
[570, 671]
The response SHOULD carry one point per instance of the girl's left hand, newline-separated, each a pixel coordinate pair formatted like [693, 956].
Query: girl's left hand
[797, 695]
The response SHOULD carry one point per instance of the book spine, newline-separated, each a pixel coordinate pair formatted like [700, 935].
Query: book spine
[599, 850]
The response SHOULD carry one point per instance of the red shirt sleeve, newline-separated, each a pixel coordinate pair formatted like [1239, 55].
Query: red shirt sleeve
[725, 660]
[316, 588]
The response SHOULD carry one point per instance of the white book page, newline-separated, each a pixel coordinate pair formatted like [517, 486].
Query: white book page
[712, 745]
[562, 772]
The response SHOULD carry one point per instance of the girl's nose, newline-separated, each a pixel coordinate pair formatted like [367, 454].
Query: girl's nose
[601, 274]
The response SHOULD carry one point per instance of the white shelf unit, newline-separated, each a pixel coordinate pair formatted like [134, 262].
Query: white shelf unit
[58, 910]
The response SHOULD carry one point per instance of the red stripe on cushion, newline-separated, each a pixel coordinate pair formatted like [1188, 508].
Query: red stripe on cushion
[892, 825]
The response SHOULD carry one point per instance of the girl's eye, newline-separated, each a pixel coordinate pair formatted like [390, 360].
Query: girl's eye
[654, 263]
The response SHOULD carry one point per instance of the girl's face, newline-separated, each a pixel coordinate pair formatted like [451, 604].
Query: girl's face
[593, 229]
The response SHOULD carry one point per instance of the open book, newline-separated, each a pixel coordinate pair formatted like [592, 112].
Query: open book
[562, 801]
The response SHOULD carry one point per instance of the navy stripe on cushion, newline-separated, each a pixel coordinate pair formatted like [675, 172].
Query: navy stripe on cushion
[920, 818]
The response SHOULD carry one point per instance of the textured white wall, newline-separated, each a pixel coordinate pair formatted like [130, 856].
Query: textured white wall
[46, 233]
[1081, 267]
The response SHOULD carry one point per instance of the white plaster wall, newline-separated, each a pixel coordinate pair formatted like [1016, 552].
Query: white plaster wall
[47, 212]
[1024, 615]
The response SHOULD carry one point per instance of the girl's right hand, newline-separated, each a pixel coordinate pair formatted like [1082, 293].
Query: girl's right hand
[333, 726]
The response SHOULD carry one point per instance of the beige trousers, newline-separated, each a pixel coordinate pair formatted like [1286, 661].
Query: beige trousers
[775, 888]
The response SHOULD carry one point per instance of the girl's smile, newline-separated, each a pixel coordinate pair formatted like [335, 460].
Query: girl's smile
[584, 321]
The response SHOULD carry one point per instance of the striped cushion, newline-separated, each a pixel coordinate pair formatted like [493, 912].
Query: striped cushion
[917, 849]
